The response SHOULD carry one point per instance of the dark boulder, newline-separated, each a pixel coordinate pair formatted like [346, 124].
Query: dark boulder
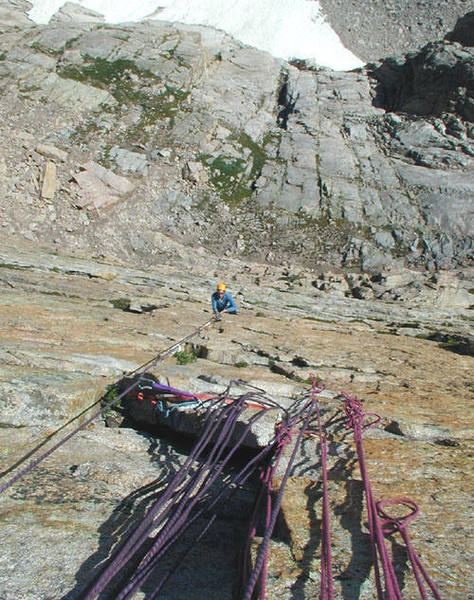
[438, 79]
[463, 32]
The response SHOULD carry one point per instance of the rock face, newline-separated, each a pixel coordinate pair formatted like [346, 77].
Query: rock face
[463, 31]
[205, 161]
[14, 12]
[70, 11]
[68, 333]
[437, 80]
[232, 150]
[376, 28]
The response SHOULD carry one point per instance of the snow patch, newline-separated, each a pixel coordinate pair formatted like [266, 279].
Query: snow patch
[287, 29]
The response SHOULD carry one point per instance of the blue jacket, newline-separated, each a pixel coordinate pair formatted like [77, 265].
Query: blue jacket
[224, 303]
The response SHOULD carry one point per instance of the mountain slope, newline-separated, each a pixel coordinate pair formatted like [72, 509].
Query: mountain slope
[227, 148]
[139, 165]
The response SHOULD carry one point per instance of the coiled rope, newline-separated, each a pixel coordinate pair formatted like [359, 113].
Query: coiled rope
[385, 578]
[178, 507]
[391, 525]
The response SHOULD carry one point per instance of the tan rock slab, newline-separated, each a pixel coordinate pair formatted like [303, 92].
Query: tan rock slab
[50, 183]
[51, 152]
[100, 187]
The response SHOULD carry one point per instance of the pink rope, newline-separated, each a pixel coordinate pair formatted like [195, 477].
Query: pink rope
[327, 582]
[268, 515]
[386, 524]
[283, 438]
[392, 525]
[283, 435]
[355, 420]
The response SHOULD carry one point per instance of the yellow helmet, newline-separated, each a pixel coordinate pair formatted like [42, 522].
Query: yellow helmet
[221, 286]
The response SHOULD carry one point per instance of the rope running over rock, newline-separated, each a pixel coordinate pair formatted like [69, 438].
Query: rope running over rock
[144, 368]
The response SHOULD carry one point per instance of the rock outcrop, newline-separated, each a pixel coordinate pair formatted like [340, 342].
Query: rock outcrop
[435, 81]
[376, 28]
[463, 30]
[288, 163]
[139, 165]
[14, 13]
[69, 334]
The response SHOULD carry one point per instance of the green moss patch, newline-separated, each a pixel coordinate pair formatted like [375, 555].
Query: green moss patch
[454, 343]
[185, 357]
[121, 303]
[130, 85]
[233, 177]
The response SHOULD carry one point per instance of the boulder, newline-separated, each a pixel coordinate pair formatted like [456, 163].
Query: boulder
[413, 85]
[194, 172]
[50, 151]
[463, 31]
[72, 12]
[50, 183]
[134, 163]
[100, 187]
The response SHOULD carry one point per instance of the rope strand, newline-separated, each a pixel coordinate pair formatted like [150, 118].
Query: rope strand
[151, 363]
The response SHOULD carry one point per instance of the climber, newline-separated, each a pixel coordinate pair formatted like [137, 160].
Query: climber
[222, 301]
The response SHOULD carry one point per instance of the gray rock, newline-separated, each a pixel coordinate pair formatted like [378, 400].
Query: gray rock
[72, 12]
[308, 166]
[130, 162]
[193, 172]
[314, 175]
[463, 30]
[418, 431]
[70, 93]
[15, 13]
[413, 86]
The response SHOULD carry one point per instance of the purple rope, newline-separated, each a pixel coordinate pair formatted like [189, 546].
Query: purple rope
[171, 390]
[284, 433]
[185, 523]
[355, 418]
[178, 563]
[239, 479]
[327, 580]
[387, 524]
[393, 524]
[268, 516]
[282, 437]
[182, 504]
[242, 477]
[147, 524]
[266, 476]
[180, 520]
